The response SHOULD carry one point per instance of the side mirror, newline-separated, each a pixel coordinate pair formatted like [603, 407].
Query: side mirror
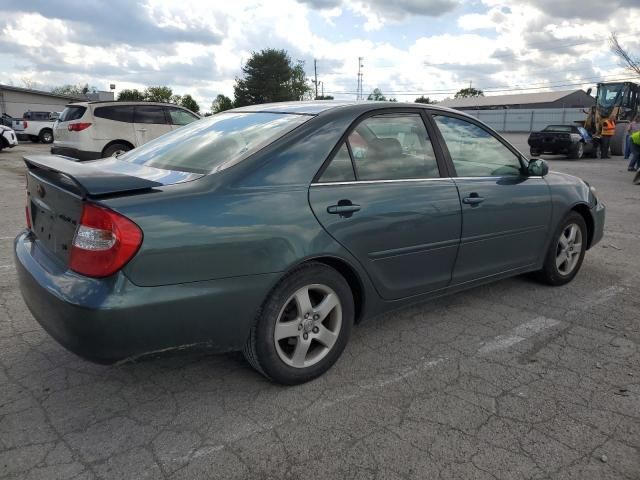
[537, 168]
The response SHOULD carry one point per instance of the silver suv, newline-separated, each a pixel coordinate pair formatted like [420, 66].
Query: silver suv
[90, 130]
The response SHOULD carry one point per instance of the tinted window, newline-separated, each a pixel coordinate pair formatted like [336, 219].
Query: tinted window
[37, 116]
[214, 143]
[340, 169]
[117, 113]
[559, 128]
[474, 151]
[181, 117]
[72, 113]
[149, 114]
[392, 147]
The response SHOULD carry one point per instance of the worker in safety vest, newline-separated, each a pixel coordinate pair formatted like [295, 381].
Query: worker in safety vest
[608, 131]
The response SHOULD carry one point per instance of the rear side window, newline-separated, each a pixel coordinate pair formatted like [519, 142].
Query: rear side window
[72, 113]
[181, 117]
[117, 113]
[149, 114]
[393, 147]
[214, 143]
[340, 169]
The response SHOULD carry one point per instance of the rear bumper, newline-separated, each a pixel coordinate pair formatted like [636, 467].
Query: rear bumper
[75, 153]
[561, 146]
[111, 319]
[598, 215]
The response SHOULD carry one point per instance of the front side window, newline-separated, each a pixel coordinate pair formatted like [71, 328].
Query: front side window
[393, 147]
[181, 117]
[215, 142]
[474, 151]
[149, 114]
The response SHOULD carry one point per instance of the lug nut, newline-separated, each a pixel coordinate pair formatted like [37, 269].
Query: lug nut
[315, 330]
[299, 326]
[305, 336]
[306, 315]
[316, 316]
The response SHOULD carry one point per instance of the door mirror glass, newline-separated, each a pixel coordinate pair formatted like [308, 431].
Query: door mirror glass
[537, 168]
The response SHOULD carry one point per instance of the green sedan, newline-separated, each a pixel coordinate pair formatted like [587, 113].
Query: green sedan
[273, 229]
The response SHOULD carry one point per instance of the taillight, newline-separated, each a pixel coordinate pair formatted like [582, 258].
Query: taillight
[26, 205]
[104, 242]
[78, 127]
[25, 124]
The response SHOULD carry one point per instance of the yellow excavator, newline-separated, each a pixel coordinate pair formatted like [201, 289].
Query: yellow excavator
[619, 101]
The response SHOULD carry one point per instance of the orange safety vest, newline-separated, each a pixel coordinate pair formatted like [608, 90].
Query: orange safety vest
[608, 128]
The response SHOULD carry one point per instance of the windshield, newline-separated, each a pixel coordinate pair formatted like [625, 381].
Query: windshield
[610, 95]
[214, 143]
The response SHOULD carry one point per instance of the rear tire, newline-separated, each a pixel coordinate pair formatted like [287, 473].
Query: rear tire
[564, 257]
[115, 148]
[578, 152]
[46, 136]
[534, 153]
[617, 141]
[303, 326]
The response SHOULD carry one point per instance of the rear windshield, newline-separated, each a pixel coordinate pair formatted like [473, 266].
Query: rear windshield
[214, 143]
[559, 128]
[71, 113]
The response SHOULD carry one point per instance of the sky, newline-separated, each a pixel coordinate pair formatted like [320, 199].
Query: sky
[409, 47]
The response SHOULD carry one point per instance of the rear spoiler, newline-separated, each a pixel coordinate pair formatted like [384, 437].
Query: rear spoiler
[89, 180]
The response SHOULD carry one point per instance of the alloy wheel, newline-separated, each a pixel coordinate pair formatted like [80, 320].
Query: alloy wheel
[569, 249]
[308, 326]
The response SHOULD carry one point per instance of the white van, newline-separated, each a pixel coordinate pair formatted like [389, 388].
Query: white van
[91, 130]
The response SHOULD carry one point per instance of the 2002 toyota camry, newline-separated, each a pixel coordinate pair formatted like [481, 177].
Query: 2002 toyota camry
[273, 228]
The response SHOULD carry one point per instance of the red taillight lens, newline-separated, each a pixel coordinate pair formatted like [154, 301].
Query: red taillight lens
[104, 242]
[25, 124]
[78, 127]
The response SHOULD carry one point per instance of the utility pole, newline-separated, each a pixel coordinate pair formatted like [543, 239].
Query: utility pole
[322, 87]
[315, 73]
[359, 95]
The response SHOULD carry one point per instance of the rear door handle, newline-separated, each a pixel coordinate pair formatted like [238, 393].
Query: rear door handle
[473, 199]
[343, 209]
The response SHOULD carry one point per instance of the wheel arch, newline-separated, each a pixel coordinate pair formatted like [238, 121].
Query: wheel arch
[113, 142]
[585, 211]
[348, 272]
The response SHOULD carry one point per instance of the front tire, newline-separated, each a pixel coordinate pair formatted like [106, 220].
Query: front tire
[566, 251]
[303, 327]
[578, 152]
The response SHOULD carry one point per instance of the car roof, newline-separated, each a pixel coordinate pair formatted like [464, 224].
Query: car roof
[116, 102]
[316, 107]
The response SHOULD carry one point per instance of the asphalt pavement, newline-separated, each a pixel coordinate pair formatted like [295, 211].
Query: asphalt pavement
[513, 380]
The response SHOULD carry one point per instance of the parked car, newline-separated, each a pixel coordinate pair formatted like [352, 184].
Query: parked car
[11, 122]
[272, 229]
[38, 126]
[91, 130]
[572, 140]
[8, 137]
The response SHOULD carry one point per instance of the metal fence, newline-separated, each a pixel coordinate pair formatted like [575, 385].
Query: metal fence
[527, 120]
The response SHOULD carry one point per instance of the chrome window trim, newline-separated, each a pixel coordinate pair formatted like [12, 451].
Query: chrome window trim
[402, 180]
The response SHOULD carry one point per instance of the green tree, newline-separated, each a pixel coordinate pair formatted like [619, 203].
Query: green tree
[187, 101]
[423, 99]
[324, 97]
[73, 90]
[469, 92]
[158, 94]
[377, 95]
[270, 76]
[221, 103]
[131, 95]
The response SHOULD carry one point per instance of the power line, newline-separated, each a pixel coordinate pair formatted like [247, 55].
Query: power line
[488, 90]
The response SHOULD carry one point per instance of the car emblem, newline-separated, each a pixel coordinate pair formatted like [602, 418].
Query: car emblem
[41, 191]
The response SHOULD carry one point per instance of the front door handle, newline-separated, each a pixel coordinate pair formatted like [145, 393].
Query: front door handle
[344, 208]
[473, 199]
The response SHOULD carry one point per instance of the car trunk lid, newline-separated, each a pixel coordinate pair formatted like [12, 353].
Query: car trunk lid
[58, 187]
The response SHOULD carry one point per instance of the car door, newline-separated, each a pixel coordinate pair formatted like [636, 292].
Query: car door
[505, 213]
[180, 117]
[149, 122]
[382, 197]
